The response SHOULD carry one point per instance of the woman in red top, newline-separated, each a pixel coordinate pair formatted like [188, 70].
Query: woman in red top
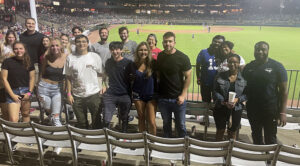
[152, 41]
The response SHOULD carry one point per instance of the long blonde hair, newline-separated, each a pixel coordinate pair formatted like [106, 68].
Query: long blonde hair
[148, 61]
[49, 55]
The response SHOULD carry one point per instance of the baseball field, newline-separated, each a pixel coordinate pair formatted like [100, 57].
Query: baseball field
[284, 42]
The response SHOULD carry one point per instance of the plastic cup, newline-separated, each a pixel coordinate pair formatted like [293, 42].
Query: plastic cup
[231, 97]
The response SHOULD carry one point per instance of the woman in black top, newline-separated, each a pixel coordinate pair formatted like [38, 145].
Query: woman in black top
[51, 77]
[225, 111]
[18, 76]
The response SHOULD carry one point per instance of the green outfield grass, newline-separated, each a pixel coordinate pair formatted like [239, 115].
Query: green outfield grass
[284, 42]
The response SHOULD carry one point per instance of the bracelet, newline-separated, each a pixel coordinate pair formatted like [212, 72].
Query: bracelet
[281, 113]
[69, 94]
[28, 93]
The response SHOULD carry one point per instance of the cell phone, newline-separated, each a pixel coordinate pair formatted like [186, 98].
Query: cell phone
[21, 96]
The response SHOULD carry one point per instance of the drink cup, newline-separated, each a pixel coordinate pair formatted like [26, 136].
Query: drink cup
[231, 97]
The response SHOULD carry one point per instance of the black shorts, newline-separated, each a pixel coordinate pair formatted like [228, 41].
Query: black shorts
[206, 93]
[144, 98]
[222, 116]
[2, 95]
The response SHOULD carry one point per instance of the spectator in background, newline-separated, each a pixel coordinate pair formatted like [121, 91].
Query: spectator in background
[227, 112]
[222, 58]
[51, 77]
[18, 76]
[118, 92]
[174, 71]
[267, 95]
[45, 47]
[102, 47]
[32, 39]
[143, 93]
[3, 104]
[129, 46]
[152, 41]
[65, 41]
[75, 32]
[206, 68]
[10, 38]
[81, 70]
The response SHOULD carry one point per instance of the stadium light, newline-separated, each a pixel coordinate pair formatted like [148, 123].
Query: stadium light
[56, 3]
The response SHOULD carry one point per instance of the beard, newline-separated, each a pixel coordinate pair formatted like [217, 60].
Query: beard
[104, 39]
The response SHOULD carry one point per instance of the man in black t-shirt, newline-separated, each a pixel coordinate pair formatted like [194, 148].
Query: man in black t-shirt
[32, 40]
[267, 95]
[174, 71]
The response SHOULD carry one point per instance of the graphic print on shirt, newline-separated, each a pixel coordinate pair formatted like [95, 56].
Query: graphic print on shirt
[211, 62]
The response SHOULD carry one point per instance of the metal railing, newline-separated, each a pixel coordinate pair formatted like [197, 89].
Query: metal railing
[293, 88]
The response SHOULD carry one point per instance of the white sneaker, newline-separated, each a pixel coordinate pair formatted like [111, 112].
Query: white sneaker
[57, 150]
[55, 121]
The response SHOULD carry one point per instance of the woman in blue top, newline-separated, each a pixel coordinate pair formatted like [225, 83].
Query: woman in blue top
[143, 87]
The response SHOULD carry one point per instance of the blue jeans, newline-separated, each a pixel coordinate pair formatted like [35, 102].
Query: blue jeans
[51, 96]
[111, 102]
[166, 107]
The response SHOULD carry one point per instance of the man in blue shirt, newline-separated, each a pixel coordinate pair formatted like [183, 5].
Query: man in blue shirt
[206, 68]
[267, 95]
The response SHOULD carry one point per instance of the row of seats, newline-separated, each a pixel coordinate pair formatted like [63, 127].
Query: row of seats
[186, 149]
[205, 110]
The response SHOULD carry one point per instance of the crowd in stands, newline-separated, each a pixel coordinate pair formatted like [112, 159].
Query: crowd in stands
[104, 76]
[56, 22]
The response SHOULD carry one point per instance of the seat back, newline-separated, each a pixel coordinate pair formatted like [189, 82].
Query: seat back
[288, 154]
[92, 140]
[125, 143]
[199, 109]
[16, 132]
[249, 154]
[207, 152]
[293, 116]
[54, 136]
[125, 140]
[54, 133]
[2, 137]
[166, 148]
[87, 136]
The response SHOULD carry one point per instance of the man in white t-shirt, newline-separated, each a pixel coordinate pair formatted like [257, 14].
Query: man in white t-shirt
[82, 69]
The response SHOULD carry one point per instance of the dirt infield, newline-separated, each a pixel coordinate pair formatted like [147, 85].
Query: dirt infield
[94, 36]
[213, 29]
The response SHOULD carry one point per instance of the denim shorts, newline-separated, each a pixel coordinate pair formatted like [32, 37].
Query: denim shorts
[17, 91]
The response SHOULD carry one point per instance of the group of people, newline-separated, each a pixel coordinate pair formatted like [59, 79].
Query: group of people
[103, 77]
[260, 84]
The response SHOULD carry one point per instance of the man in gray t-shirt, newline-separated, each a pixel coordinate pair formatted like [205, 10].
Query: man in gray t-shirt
[129, 45]
[102, 47]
